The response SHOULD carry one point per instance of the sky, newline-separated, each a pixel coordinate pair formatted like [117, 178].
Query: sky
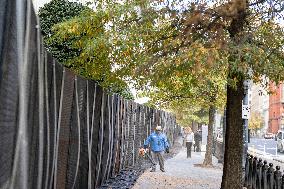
[39, 3]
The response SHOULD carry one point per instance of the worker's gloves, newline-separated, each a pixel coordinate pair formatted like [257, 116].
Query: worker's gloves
[142, 152]
[167, 150]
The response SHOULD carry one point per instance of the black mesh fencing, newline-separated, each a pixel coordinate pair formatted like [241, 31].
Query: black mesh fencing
[58, 130]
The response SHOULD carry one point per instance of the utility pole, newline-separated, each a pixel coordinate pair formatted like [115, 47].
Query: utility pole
[224, 135]
[245, 117]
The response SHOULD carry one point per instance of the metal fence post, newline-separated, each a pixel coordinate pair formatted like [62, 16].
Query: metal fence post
[259, 173]
[250, 178]
[277, 178]
[254, 172]
[247, 170]
[270, 176]
[264, 174]
[282, 184]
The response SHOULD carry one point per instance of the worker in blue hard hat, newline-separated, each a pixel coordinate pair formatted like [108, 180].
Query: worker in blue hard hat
[159, 144]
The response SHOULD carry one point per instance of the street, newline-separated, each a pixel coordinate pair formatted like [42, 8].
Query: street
[266, 150]
[268, 146]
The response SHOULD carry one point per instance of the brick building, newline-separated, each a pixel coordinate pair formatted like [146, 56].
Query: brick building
[276, 108]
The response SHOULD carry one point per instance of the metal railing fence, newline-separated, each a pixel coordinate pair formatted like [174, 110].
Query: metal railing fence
[260, 174]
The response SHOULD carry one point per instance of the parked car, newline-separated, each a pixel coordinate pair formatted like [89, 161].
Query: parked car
[268, 136]
[280, 141]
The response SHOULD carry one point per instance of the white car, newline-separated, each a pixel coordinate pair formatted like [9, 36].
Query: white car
[269, 136]
[280, 141]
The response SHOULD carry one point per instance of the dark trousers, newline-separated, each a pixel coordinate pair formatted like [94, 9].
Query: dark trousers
[188, 148]
[158, 157]
[196, 146]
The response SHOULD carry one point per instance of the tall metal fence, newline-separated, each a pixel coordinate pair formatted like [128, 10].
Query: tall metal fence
[58, 130]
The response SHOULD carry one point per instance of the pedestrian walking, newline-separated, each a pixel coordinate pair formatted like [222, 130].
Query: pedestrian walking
[159, 144]
[197, 141]
[181, 131]
[189, 138]
[183, 136]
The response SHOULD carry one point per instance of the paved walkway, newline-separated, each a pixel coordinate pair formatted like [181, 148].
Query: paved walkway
[181, 173]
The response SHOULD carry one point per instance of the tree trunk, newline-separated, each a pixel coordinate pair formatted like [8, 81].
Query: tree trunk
[232, 171]
[208, 155]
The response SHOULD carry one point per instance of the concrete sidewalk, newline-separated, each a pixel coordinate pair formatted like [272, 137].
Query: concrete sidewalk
[181, 172]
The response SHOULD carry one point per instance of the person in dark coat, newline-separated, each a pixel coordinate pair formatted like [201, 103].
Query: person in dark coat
[197, 141]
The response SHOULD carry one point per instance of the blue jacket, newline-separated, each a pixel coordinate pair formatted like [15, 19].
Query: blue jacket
[157, 142]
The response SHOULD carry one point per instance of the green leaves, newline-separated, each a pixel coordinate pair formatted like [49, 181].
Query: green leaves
[55, 12]
[58, 11]
[77, 37]
[173, 51]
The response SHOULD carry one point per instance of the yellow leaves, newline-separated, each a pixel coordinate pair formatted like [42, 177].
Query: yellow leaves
[127, 52]
[179, 74]
[74, 28]
[68, 28]
[83, 55]
[205, 58]
[256, 121]
[79, 44]
[257, 78]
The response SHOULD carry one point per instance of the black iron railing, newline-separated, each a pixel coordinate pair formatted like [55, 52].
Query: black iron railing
[262, 175]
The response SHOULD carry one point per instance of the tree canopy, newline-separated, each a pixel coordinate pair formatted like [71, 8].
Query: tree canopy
[177, 49]
[55, 12]
[162, 44]
[74, 49]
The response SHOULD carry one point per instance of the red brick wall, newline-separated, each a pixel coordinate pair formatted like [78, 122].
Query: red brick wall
[275, 109]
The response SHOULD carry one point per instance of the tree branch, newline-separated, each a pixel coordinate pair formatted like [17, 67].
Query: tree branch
[196, 37]
[257, 2]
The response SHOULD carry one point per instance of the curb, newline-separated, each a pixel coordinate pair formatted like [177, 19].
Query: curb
[258, 152]
[279, 160]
